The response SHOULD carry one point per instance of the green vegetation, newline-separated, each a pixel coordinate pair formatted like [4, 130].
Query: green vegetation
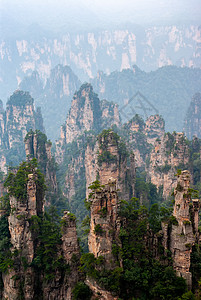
[20, 98]
[6, 261]
[106, 157]
[17, 183]
[98, 229]
[103, 212]
[106, 137]
[147, 191]
[141, 275]
[48, 167]
[81, 292]
[48, 260]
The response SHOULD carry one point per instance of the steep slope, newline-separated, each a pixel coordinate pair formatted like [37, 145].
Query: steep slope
[165, 91]
[87, 113]
[39, 261]
[53, 97]
[170, 153]
[192, 122]
[19, 117]
[37, 146]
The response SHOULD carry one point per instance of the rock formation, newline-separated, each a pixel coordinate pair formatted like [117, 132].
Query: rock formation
[170, 153]
[15, 122]
[150, 48]
[87, 113]
[20, 117]
[70, 244]
[192, 122]
[54, 96]
[105, 223]
[116, 179]
[183, 235]
[33, 84]
[154, 128]
[142, 135]
[23, 243]
[37, 146]
[25, 279]
[113, 163]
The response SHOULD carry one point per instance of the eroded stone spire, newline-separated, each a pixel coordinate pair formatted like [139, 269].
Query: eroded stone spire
[182, 236]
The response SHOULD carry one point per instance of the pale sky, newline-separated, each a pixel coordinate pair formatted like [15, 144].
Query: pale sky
[51, 13]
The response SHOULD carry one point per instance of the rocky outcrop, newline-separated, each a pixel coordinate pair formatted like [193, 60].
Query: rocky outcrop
[24, 278]
[20, 117]
[105, 223]
[23, 245]
[70, 244]
[54, 96]
[183, 234]
[154, 128]
[15, 122]
[141, 136]
[62, 287]
[91, 164]
[99, 292]
[87, 113]
[113, 163]
[169, 154]
[62, 82]
[192, 122]
[37, 146]
[116, 179]
[33, 84]
[104, 230]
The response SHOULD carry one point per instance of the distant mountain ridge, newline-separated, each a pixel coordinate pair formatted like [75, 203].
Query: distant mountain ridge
[54, 97]
[168, 89]
[87, 52]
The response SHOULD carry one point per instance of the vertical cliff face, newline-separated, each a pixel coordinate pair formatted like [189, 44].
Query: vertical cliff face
[2, 123]
[70, 244]
[116, 179]
[15, 122]
[192, 122]
[183, 235]
[154, 128]
[62, 82]
[23, 243]
[91, 164]
[87, 113]
[43, 263]
[105, 223]
[168, 154]
[33, 84]
[142, 135]
[84, 114]
[53, 95]
[37, 146]
[20, 117]
[113, 162]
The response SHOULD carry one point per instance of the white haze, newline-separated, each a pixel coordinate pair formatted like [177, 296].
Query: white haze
[95, 13]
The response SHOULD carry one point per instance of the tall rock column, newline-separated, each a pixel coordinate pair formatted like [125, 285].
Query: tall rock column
[116, 179]
[105, 222]
[113, 162]
[37, 146]
[71, 251]
[22, 244]
[182, 237]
